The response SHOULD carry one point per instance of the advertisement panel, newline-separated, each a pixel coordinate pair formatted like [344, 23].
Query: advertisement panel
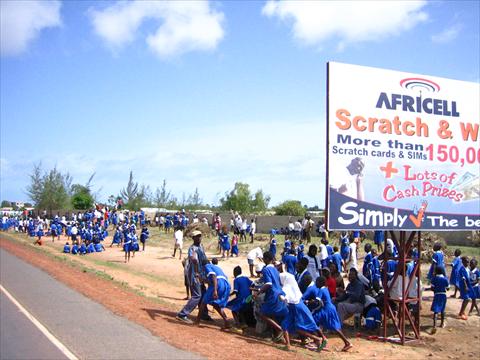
[403, 150]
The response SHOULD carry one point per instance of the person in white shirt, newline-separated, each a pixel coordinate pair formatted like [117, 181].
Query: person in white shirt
[323, 255]
[243, 230]
[253, 229]
[297, 229]
[314, 264]
[254, 254]
[352, 258]
[178, 235]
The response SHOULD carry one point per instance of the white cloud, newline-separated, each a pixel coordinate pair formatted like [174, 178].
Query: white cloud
[314, 22]
[447, 35]
[182, 26]
[22, 21]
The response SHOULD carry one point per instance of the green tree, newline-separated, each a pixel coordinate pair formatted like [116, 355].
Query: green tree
[35, 189]
[291, 208]
[241, 199]
[136, 196]
[51, 190]
[6, 203]
[162, 196]
[82, 199]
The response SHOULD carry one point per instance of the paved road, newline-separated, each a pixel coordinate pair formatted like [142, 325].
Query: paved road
[86, 328]
[19, 338]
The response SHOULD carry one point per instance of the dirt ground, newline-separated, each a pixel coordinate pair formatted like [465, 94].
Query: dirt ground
[149, 291]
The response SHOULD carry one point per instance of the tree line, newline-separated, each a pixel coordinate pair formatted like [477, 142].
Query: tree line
[53, 190]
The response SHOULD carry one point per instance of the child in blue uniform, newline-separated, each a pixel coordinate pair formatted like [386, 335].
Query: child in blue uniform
[99, 247]
[90, 248]
[117, 237]
[127, 246]
[326, 316]
[437, 260]
[378, 239]
[217, 293]
[144, 236]
[75, 248]
[225, 243]
[344, 249]
[439, 286]
[83, 249]
[241, 288]
[290, 261]
[66, 248]
[456, 263]
[464, 286]
[299, 319]
[273, 310]
[235, 245]
[300, 250]
[273, 246]
[475, 292]
[366, 270]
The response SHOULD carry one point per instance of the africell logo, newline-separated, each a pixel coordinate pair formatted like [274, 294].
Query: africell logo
[420, 84]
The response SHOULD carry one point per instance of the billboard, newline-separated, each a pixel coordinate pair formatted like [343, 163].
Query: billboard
[402, 152]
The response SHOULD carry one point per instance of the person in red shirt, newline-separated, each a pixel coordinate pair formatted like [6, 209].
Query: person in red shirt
[331, 282]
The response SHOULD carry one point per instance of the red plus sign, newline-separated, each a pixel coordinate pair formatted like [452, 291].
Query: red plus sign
[389, 170]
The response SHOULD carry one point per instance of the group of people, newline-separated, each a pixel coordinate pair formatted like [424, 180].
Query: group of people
[305, 294]
[285, 301]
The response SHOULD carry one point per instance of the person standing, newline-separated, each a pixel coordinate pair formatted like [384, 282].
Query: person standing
[195, 270]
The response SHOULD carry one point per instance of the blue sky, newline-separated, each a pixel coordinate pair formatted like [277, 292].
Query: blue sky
[202, 94]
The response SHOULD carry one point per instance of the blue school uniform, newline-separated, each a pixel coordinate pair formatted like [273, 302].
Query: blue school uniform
[373, 318]
[440, 287]
[344, 248]
[288, 246]
[329, 249]
[66, 249]
[134, 245]
[235, 249]
[290, 261]
[474, 277]
[98, 247]
[437, 261]
[337, 260]
[90, 248]
[223, 287]
[127, 245]
[299, 317]
[390, 268]
[40, 231]
[378, 237]
[241, 287]
[273, 246]
[410, 266]
[272, 305]
[144, 235]
[366, 270]
[117, 238]
[465, 290]
[456, 263]
[300, 250]
[83, 249]
[53, 230]
[75, 249]
[326, 316]
[225, 240]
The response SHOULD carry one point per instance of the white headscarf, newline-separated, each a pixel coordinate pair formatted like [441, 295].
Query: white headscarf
[293, 295]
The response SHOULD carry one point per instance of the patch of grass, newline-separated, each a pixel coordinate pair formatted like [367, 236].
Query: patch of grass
[470, 251]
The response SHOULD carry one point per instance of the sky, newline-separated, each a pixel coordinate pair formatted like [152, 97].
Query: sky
[202, 94]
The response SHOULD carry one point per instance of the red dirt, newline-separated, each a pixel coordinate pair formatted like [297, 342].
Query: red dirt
[161, 322]
[458, 341]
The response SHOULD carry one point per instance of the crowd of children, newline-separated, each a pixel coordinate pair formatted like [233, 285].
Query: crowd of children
[294, 291]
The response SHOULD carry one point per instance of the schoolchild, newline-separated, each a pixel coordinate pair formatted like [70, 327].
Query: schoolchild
[456, 263]
[241, 290]
[66, 248]
[144, 236]
[439, 285]
[475, 292]
[465, 287]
